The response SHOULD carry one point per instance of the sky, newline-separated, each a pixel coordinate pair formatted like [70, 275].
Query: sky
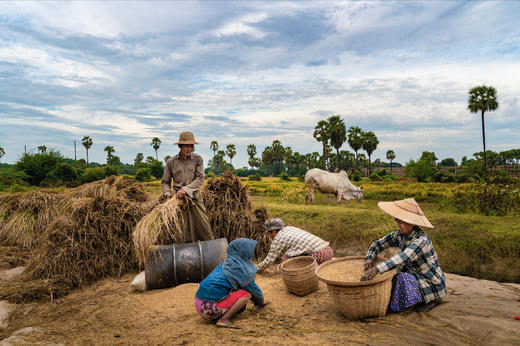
[251, 72]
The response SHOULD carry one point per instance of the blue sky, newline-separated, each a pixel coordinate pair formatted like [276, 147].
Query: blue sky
[251, 72]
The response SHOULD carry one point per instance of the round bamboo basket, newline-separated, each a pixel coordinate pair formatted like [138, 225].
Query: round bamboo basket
[356, 299]
[299, 276]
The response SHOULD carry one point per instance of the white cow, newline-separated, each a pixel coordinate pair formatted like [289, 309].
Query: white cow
[326, 182]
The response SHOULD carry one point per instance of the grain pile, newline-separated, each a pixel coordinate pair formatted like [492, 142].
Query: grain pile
[230, 212]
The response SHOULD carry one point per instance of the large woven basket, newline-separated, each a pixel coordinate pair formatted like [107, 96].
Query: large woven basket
[358, 299]
[299, 275]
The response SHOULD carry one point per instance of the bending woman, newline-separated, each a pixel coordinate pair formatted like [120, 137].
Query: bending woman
[228, 288]
[420, 281]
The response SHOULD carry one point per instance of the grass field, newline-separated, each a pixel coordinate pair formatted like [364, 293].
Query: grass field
[468, 244]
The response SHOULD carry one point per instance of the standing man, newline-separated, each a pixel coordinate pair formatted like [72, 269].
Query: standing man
[290, 241]
[187, 171]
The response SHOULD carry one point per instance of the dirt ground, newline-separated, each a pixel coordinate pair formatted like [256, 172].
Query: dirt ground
[109, 312]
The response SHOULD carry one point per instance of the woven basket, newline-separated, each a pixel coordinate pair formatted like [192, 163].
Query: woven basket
[299, 276]
[359, 299]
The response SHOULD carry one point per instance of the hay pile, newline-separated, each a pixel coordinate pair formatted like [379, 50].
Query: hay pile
[230, 212]
[24, 217]
[83, 234]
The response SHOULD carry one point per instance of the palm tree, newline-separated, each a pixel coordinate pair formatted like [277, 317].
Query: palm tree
[483, 98]
[231, 151]
[87, 143]
[355, 140]
[338, 134]
[390, 155]
[2, 152]
[251, 152]
[370, 143]
[321, 134]
[214, 146]
[156, 143]
[109, 149]
[278, 153]
[42, 149]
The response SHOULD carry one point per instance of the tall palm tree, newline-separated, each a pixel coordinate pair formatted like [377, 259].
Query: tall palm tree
[2, 152]
[483, 98]
[321, 134]
[338, 134]
[87, 143]
[156, 143]
[370, 143]
[42, 149]
[109, 149]
[231, 152]
[251, 152]
[214, 146]
[278, 153]
[355, 140]
[390, 155]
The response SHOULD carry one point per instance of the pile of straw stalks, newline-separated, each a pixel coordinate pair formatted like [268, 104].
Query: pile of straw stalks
[75, 237]
[230, 212]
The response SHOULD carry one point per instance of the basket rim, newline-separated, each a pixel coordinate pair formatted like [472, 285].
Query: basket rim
[294, 259]
[379, 278]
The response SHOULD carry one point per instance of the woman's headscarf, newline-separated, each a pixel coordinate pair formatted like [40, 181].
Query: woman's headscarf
[238, 267]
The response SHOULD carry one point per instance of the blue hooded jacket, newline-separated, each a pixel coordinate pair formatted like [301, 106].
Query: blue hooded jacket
[234, 273]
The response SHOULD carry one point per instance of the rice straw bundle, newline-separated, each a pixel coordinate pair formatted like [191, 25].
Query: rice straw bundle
[89, 240]
[230, 211]
[24, 217]
[161, 226]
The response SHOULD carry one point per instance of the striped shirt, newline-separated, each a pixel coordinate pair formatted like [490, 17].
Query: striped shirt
[292, 241]
[415, 255]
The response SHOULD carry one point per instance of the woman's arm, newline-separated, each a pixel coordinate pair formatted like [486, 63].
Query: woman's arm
[256, 293]
[379, 245]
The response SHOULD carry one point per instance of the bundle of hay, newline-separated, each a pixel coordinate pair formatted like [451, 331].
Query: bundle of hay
[24, 217]
[230, 212]
[89, 240]
[161, 226]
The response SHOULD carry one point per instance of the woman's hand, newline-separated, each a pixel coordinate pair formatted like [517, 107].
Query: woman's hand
[369, 274]
[368, 264]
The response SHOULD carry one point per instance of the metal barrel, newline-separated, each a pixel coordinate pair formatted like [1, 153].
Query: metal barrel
[176, 264]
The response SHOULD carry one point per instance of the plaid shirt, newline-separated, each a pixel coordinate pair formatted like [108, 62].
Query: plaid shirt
[417, 256]
[292, 241]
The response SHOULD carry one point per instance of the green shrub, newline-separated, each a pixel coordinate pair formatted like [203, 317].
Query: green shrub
[462, 178]
[210, 174]
[488, 199]
[356, 176]
[157, 169]
[389, 178]
[284, 176]
[255, 177]
[93, 174]
[62, 174]
[375, 176]
[37, 166]
[10, 176]
[449, 178]
[143, 174]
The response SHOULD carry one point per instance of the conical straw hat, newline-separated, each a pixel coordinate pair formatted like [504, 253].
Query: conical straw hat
[406, 210]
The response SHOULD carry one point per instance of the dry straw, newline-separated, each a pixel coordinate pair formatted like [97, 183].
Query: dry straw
[230, 212]
[160, 226]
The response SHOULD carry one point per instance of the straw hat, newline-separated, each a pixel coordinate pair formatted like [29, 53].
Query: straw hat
[406, 210]
[186, 137]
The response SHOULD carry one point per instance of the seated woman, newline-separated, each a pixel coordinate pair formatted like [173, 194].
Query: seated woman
[420, 281]
[228, 288]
